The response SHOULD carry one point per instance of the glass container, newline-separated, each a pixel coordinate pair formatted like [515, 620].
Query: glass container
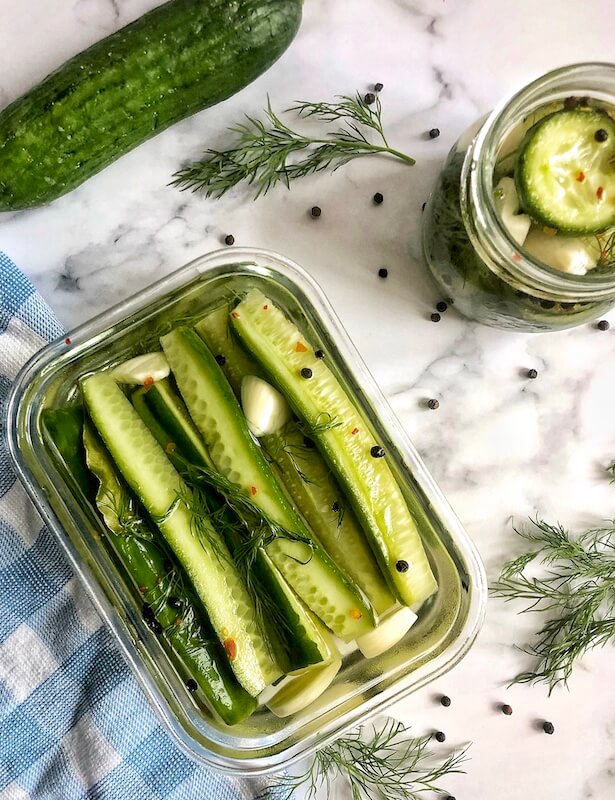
[448, 622]
[475, 261]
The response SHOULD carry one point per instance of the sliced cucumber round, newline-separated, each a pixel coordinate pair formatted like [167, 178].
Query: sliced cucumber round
[565, 172]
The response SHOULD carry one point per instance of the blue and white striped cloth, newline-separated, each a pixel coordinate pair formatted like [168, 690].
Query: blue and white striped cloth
[74, 725]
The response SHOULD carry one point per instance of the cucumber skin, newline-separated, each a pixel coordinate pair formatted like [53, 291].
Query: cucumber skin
[293, 646]
[177, 59]
[200, 655]
[64, 428]
[158, 488]
[285, 554]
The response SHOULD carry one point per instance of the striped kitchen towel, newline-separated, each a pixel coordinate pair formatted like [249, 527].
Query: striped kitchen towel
[73, 722]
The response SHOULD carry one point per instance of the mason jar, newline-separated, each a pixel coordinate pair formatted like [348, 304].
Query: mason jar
[473, 257]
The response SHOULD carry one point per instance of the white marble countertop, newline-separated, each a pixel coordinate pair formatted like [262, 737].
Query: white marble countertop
[501, 447]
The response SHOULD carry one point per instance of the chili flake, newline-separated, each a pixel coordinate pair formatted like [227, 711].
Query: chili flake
[355, 613]
[68, 340]
[253, 490]
[149, 381]
[354, 431]
[300, 348]
[580, 176]
[600, 192]
[234, 315]
[230, 645]
[265, 307]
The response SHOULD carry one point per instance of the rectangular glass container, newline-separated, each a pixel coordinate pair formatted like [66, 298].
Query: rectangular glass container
[448, 623]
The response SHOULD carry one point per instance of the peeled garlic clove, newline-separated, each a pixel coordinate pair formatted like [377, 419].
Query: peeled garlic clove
[388, 632]
[561, 252]
[265, 409]
[142, 370]
[507, 205]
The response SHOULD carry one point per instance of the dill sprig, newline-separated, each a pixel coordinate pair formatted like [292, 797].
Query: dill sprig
[324, 422]
[389, 765]
[255, 527]
[270, 152]
[577, 589]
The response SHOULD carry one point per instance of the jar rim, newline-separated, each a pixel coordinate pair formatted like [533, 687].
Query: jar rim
[478, 170]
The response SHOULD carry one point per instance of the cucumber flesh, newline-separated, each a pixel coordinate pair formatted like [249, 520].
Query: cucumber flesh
[564, 172]
[217, 332]
[317, 496]
[192, 642]
[199, 548]
[308, 569]
[303, 473]
[377, 499]
[295, 641]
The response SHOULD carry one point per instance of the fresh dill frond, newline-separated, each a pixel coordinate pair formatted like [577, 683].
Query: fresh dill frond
[324, 422]
[254, 526]
[388, 765]
[577, 590]
[269, 152]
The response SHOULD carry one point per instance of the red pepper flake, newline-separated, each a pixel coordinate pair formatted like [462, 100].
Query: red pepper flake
[300, 348]
[143, 589]
[234, 315]
[68, 340]
[178, 621]
[516, 257]
[253, 490]
[230, 645]
[355, 613]
[600, 192]
[265, 307]
[171, 447]
[354, 431]
[149, 381]
[580, 176]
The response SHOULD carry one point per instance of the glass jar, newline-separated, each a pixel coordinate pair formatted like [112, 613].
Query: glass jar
[474, 259]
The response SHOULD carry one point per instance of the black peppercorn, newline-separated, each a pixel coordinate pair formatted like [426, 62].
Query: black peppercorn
[369, 98]
[601, 135]
[308, 442]
[378, 198]
[440, 736]
[147, 612]
[435, 317]
[434, 133]
[191, 685]
[319, 354]
[532, 373]
[174, 602]
[506, 709]
[378, 87]
[603, 325]
[445, 701]
[315, 211]
[229, 240]
[306, 373]
[154, 626]
[383, 272]
[433, 404]
[584, 101]
[548, 727]
[168, 565]
[450, 797]
[571, 102]
[441, 306]
[335, 506]
[221, 359]
[423, 206]
[402, 565]
[377, 451]
[547, 304]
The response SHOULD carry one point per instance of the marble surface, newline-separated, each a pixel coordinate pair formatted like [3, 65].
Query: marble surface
[501, 447]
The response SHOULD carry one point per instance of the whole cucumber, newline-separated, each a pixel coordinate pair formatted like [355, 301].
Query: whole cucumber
[179, 58]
